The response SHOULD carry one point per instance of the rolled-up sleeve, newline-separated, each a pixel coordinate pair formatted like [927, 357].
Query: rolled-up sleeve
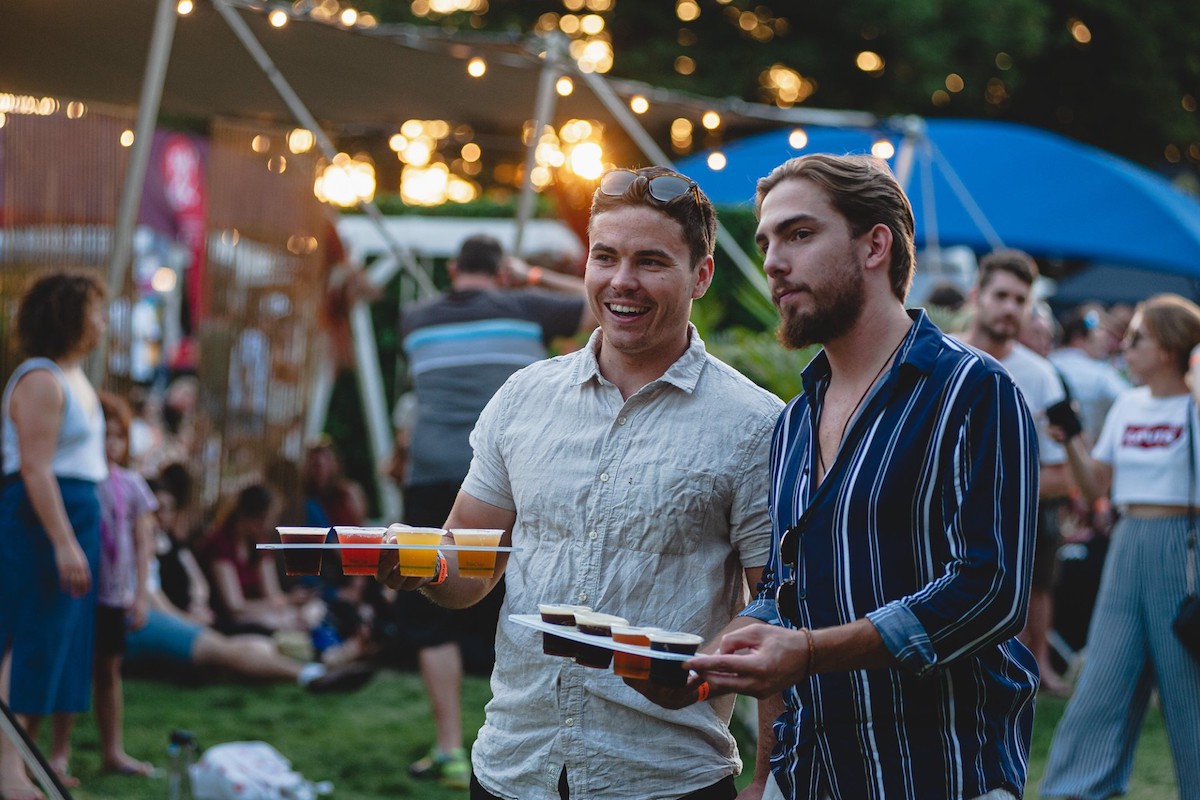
[990, 503]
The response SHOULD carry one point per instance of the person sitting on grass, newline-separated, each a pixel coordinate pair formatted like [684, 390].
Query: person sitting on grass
[181, 637]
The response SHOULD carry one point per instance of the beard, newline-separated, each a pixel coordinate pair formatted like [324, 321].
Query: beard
[837, 308]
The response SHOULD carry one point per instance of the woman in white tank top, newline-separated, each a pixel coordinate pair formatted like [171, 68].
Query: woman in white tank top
[53, 456]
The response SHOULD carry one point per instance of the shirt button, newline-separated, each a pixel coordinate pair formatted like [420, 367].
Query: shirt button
[604, 476]
[621, 421]
[582, 596]
[592, 535]
[570, 721]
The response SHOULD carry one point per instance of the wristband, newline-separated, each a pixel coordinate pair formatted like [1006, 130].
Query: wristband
[534, 276]
[702, 692]
[812, 652]
[443, 569]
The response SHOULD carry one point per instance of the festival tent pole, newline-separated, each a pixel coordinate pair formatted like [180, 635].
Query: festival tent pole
[139, 159]
[366, 353]
[543, 111]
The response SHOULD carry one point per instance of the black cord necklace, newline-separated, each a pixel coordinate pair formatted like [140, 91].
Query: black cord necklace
[853, 411]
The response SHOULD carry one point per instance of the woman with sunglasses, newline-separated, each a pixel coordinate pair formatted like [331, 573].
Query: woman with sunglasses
[1145, 456]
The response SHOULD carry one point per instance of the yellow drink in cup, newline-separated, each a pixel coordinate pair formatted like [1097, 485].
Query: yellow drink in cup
[418, 563]
[477, 563]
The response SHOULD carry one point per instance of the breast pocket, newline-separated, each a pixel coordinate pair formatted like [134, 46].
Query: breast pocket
[667, 509]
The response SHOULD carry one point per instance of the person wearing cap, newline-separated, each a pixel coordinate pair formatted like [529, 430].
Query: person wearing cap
[632, 475]
[903, 496]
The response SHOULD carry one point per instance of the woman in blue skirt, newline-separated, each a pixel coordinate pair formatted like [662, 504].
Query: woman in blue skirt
[52, 439]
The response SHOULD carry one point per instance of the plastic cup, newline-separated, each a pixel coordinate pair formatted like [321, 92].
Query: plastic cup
[672, 673]
[302, 562]
[418, 563]
[477, 563]
[628, 665]
[590, 622]
[359, 561]
[563, 615]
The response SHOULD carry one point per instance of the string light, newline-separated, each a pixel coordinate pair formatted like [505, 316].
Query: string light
[639, 104]
[476, 67]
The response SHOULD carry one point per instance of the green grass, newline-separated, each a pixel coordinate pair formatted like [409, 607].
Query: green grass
[363, 742]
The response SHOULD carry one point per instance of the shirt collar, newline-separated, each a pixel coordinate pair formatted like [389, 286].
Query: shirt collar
[920, 350]
[684, 374]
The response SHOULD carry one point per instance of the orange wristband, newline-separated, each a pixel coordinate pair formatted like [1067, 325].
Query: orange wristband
[702, 692]
[534, 276]
[443, 569]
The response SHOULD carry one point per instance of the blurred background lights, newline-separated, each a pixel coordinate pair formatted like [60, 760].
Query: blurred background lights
[685, 65]
[564, 86]
[476, 67]
[711, 120]
[587, 160]
[785, 87]
[869, 61]
[687, 10]
[591, 24]
[126, 138]
[260, 144]
[716, 161]
[349, 17]
[883, 148]
[76, 110]
[300, 140]
[471, 152]
[639, 104]
[798, 139]
[163, 280]
[185, 7]
[345, 182]
[278, 18]
[1079, 31]
[954, 82]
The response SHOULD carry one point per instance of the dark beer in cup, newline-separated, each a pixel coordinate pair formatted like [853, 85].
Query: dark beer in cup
[564, 615]
[594, 624]
[672, 673]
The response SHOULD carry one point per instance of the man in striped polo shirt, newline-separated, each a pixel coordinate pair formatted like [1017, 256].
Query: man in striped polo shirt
[903, 500]
[461, 347]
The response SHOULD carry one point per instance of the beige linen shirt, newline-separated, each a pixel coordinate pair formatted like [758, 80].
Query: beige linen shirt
[650, 508]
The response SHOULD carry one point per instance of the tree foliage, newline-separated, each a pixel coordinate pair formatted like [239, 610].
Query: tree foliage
[1122, 76]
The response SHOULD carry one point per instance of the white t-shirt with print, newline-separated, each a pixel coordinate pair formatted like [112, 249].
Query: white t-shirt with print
[1042, 388]
[1144, 439]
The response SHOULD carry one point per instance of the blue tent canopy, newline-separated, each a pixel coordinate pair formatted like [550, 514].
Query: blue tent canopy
[987, 184]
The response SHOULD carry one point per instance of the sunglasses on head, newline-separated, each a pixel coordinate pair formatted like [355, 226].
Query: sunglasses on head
[663, 187]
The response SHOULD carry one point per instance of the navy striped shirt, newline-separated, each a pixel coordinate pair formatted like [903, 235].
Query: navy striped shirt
[924, 524]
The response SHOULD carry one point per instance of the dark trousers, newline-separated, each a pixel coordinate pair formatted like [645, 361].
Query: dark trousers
[724, 789]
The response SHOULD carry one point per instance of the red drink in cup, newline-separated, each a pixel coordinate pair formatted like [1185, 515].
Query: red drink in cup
[359, 561]
[297, 561]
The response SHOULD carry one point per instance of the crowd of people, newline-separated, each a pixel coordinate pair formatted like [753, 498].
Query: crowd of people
[875, 560]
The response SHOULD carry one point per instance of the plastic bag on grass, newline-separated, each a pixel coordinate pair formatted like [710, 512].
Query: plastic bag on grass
[250, 771]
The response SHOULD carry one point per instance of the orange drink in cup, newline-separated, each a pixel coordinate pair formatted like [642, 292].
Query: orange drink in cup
[477, 563]
[359, 561]
[628, 665]
[420, 563]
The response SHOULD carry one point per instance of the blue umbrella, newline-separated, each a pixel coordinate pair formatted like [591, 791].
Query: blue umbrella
[988, 184]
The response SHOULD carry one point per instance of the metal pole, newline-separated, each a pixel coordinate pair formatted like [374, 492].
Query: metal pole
[306, 119]
[543, 111]
[19, 740]
[648, 146]
[139, 159]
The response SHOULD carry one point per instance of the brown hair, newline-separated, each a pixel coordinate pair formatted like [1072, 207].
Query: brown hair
[864, 191]
[692, 210]
[53, 310]
[117, 412]
[1173, 322]
[1017, 263]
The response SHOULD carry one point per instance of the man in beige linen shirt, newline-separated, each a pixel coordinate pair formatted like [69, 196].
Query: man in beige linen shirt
[632, 475]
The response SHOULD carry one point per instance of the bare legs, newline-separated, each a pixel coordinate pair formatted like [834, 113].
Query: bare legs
[14, 780]
[1035, 637]
[441, 670]
[250, 655]
[109, 704]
